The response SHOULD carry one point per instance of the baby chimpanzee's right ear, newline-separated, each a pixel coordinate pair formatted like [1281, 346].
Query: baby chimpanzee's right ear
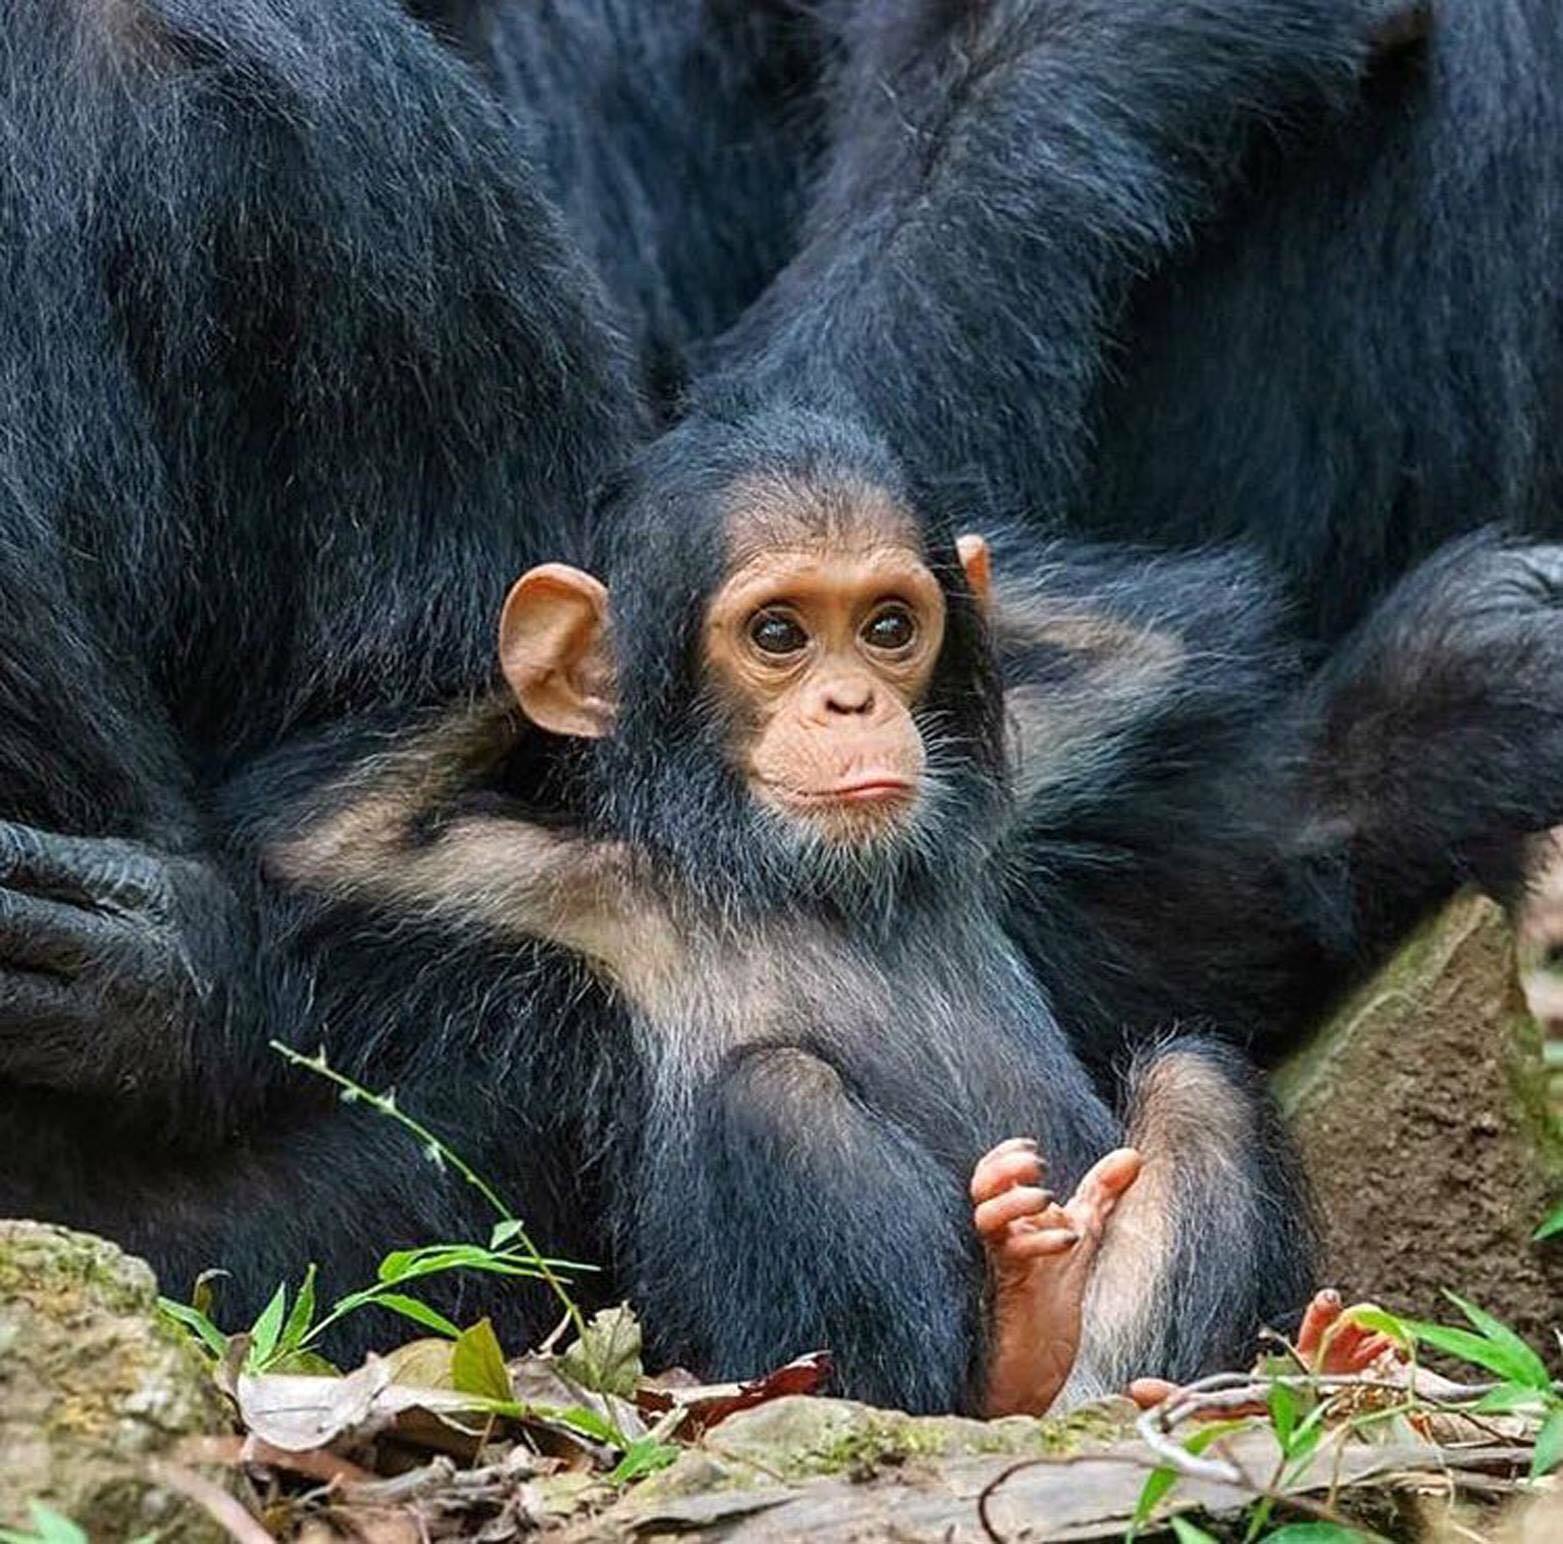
[553, 649]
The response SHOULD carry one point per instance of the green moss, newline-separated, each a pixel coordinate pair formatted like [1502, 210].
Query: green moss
[1533, 1104]
[796, 1440]
[92, 1385]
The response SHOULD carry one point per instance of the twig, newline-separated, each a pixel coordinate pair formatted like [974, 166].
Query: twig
[1234, 1391]
[230, 1514]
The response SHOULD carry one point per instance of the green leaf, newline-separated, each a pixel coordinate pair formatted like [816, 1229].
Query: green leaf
[588, 1423]
[197, 1323]
[1372, 1317]
[395, 1265]
[52, 1528]
[421, 1313]
[1188, 1533]
[478, 1365]
[1212, 1432]
[303, 1314]
[1317, 1533]
[645, 1455]
[1551, 1227]
[1472, 1348]
[406, 1264]
[606, 1358]
[1306, 1438]
[1549, 1446]
[266, 1329]
[1499, 1334]
[504, 1231]
[1157, 1484]
[1506, 1399]
[1283, 1415]
[201, 1294]
[304, 1362]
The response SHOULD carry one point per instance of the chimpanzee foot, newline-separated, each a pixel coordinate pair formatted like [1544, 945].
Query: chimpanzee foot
[1040, 1256]
[1330, 1341]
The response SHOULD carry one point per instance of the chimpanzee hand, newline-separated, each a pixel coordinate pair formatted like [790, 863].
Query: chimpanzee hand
[1040, 1255]
[111, 962]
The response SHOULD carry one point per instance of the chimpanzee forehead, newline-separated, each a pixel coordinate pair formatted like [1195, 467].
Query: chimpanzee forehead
[847, 514]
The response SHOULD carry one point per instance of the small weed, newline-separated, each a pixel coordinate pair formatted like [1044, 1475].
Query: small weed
[286, 1337]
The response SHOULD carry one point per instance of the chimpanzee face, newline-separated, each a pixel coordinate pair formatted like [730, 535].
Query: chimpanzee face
[821, 643]
[818, 647]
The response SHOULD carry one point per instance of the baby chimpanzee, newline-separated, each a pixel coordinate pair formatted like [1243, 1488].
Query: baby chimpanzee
[833, 917]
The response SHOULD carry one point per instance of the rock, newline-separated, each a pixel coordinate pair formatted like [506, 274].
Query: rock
[839, 1473]
[802, 1436]
[93, 1386]
[1423, 1115]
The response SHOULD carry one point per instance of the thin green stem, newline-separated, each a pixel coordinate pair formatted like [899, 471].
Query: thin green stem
[386, 1105]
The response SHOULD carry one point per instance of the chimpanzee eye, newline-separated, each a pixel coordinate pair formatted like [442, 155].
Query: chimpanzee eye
[892, 628]
[773, 632]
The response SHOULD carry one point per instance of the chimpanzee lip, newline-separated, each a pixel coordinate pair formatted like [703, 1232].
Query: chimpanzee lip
[874, 788]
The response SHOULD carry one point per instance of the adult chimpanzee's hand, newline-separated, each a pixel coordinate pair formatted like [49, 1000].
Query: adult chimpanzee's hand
[112, 962]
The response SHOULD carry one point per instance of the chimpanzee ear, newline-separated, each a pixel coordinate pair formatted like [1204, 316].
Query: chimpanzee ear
[553, 649]
[973, 553]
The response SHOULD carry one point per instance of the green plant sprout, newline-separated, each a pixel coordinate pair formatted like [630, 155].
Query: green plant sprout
[49, 1527]
[286, 1338]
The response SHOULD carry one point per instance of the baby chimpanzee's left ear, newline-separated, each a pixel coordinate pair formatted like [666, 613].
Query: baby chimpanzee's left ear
[973, 553]
[553, 649]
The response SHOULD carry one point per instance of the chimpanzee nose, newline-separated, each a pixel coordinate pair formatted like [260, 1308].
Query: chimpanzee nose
[849, 694]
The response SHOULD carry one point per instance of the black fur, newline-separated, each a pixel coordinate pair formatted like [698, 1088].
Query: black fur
[1181, 273]
[302, 367]
[306, 367]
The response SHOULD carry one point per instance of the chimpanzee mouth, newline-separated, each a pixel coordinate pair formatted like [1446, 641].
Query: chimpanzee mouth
[873, 788]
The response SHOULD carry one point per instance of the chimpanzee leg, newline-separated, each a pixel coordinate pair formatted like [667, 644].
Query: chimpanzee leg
[1211, 1242]
[1430, 745]
[793, 1219]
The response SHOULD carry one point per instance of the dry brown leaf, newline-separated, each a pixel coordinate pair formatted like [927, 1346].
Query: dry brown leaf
[705, 1404]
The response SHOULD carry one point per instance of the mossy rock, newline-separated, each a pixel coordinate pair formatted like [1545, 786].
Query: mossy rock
[803, 1437]
[1423, 1115]
[94, 1385]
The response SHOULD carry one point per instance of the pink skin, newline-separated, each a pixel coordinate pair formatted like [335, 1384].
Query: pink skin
[1040, 1254]
[1329, 1342]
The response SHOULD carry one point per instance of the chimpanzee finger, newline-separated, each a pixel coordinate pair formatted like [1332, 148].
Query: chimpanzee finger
[1107, 1179]
[1038, 1245]
[1147, 1393]
[999, 1171]
[1323, 1310]
[42, 861]
[41, 934]
[992, 1217]
[1010, 1145]
[78, 869]
[1103, 1186]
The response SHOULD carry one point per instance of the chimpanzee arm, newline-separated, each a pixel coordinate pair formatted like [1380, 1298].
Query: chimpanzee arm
[1430, 746]
[999, 183]
[1219, 846]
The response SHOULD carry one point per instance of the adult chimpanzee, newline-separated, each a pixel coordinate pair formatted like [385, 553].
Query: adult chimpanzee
[1188, 273]
[293, 339]
[790, 862]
